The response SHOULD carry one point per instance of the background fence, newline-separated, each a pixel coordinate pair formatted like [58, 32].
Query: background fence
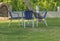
[54, 14]
[50, 14]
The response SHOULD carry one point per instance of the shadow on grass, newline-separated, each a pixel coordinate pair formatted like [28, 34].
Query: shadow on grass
[14, 31]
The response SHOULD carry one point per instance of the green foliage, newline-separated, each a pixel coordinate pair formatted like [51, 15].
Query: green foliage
[19, 5]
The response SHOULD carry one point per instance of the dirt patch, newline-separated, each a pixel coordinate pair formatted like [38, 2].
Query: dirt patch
[4, 18]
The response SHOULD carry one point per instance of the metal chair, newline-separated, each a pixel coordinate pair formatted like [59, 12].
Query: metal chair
[14, 16]
[28, 15]
[43, 18]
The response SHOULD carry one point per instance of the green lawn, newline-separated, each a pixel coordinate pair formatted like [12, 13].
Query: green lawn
[41, 33]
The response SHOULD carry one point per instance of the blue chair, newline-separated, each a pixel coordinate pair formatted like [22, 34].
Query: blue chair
[28, 15]
[42, 18]
[14, 16]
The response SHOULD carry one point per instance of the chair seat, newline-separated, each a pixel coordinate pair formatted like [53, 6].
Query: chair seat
[15, 18]
[40, 17]
[27, 18]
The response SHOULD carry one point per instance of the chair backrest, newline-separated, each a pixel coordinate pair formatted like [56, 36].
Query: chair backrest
[15, 14]
[28, 14]
[45, 14]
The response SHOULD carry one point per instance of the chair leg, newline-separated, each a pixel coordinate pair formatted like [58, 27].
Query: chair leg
[45, 22]
[33, 23]
[9, 23]
[18, 22]
[37, 23]
[28, 22]
[24, 23]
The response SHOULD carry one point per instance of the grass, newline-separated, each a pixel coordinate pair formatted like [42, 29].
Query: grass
[41, 33]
